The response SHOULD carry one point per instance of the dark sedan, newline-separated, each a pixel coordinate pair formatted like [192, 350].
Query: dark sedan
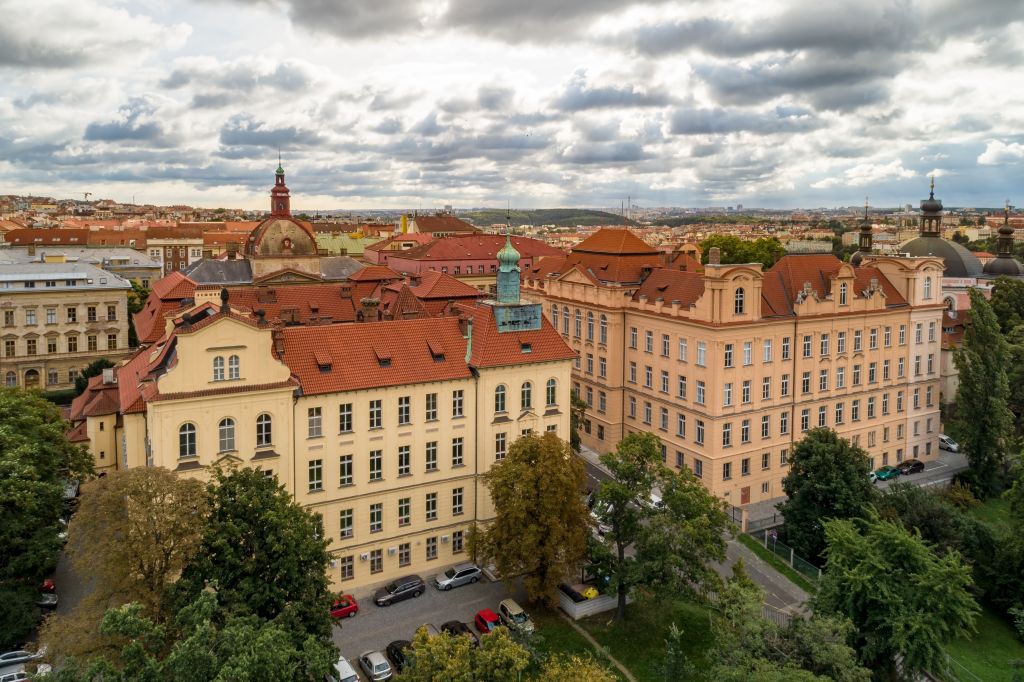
[910, 466]
[455, 627]
[398, 652]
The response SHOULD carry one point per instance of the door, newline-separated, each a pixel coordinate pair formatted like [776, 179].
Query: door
[745, 495]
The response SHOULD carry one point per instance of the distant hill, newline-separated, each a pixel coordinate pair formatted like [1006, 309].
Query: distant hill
[560, 217]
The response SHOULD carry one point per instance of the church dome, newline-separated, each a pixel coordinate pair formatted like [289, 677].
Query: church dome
[508, 256]
[1003, 265]
[959, 261]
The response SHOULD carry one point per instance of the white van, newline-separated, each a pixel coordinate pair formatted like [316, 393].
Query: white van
[947, 443]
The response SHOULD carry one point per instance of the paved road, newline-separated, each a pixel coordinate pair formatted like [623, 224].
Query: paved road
[374, 627]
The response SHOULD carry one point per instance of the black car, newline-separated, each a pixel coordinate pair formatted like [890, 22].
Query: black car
[403, 588]
[398, 652]
[910, 466]
[455, 627]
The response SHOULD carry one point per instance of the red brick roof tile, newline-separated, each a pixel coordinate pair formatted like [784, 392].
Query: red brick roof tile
[494, 349]
[434, 284]
[672, 285]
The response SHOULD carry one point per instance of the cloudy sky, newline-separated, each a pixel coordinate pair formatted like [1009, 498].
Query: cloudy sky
[396, 103]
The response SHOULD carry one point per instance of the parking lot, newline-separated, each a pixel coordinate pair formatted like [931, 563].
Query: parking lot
[374, 626]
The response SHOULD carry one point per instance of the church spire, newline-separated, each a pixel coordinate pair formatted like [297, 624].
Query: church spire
[864, 239]
[508, 269]
[931, 213]
[280, 199]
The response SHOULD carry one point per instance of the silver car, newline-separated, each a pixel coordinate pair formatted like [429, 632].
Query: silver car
[343, 672]
[462, 574]
[947, 443]
[375, 666]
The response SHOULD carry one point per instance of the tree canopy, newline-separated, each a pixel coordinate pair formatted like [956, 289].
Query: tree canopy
[35, 460]
[765, 250]
[904, 599]
[93, 369]
[828, 478]
[983, 419]
[541, 524]
[453, 658]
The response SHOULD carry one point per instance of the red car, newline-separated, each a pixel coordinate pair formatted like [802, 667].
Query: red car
[344, 607]
[486, 620]
[48, 586]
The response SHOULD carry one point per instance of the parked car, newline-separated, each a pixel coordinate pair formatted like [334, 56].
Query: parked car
[513, 617]
[872, 477]
[17, 676]
[403, 588]
[462, 574]
[343, 672]
[47, 600]
[48, 586]
[344, 606]
[947, 443]
[432, 631]
[375, 666]
[19, 657]
[598, 514]
[910, 466]
[456, 628]
[887, 472]
[397, 651]
[486, 620]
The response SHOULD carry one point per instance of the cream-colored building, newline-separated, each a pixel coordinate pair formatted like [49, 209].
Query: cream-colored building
[56, 318]
[729, 364]
[383, 428]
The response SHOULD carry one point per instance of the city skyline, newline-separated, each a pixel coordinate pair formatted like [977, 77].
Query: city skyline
[477, 104]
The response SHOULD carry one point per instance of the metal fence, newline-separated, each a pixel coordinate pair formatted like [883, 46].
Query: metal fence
[769, 538]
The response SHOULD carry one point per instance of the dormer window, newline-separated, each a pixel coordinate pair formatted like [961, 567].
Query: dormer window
[842, 293]
[526, 347]
[739, 305]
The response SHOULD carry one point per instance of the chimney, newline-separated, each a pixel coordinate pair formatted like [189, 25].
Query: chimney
[370, 309]
[345, 290]
[714, 256]
[232, 250]
[108, 376]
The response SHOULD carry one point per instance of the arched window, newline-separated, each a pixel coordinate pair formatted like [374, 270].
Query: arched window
[526, 395]
[226, 435]
[218, 368]
[552, 392]
[264, 430]
[565, 320]
[32, 378]
[927, 287]
[577, 327]
[590, 326]
[233, 367]
[842, 293]
[10, 379]
[740, 303]
[499, 398]
[603, 330]
[187, 440]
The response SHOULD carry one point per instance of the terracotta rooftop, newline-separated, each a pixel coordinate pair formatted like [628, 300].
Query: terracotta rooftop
[615, 241]
[493, 349]
[442, 223]
[784, 281]
[672, 285]
[374, 273]
[98, 399]
[295, 303]
[476, 247]
[434, 284]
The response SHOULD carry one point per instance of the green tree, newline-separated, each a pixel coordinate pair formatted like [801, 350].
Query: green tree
[35, 458]
[828, 478]
[1015, 377]
[93, 369]
[541, 524]
[136, 301]
[1008, 302]
[263, 553]
[904, 599]
[133, 533]
[983, 417]
[577, 413]
[448, 658]
[574, 669]
[671, 544]
[766, 250]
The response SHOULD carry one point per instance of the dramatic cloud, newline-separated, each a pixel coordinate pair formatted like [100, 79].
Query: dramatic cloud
[407, 103]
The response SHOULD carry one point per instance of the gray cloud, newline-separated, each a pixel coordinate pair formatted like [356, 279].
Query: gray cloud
[132, 126]
[579, 95]
[604, 153]
[688, 121]
[246, 131]
[389, 126]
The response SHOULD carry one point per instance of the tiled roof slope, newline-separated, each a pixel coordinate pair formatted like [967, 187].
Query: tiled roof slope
[295, 303]
[476, 247]
[375, 354]
[492, 349]
[442, 223]
[434, 284]
[615, 241]
[785, 280]
[672, 285]
[97, 399]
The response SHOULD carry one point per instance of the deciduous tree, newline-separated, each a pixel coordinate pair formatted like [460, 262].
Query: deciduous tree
[766, 250]
[983, 417]
[574, 669]
[541, 524]
[904, 599]
[828, 478]
[452, 658]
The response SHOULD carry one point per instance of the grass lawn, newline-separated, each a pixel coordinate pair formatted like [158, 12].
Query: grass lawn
[556, 636]
[778, 564]
[639, 642]
[988, 654]
[995, 512]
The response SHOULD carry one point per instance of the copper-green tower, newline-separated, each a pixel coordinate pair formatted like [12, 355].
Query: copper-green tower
[508, 273]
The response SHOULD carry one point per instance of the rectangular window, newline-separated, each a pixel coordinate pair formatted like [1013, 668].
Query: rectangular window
[111, 341]
[405, 554]
[766, 426]
[766, 388]
[500, 445]
[871, 408]
[928, 399]
[807, 345]
[745, 466]
[345, 418]
[632, 407]
[456, 501]
[784, 457]
[590, 363]
[767, 356]
[376, 517]
[931, 363]
[855, 411]
[748, 353]
[314, 422]
[873, 339]
[431, 506]
[887, 337]
[805, 420]
[839, 413]
[51, 344]
[431, 457]
[931, 332]
[700, 392]
[632, 337]
[72, 344]
[647, 412]
[345, 523]
[664, 381]
[840, 342]
[430, 411]
[824, 344]
[51, 315]
[745, 392]
[649, 341]
[72, 315]
[648, 377]
[785, 348]
[457, 444]
[376, 414]
[699, 432]
[745, 431]
[348, 565]
[903, 335]
[728, 355]
[784, 386]
[663, 419]
[404, 463]
[602, 368]
[632, 372]
[726, 435]
[857, 338]
[727, 394]
[665, 345]
[726, 471]
[698, 468]
[602, 401]
[681, 425]
[111, 313]
[458, 541]
[784, 423]
[681, 392]
[683, 348]
[702, 352]
[840, 377]
[90, 313]
[805, 383]
[404, 410]
[316, 475]
[376, 465]
[30, 346]
[856, 375]
[431, 548]
[885, 403]
[917, 398]
[823, 380]
[885, 370]
[345, 467]
[766, 460]
[91, 342]
[8, 348]
[872, 372]
[918, 335]
[457, 399]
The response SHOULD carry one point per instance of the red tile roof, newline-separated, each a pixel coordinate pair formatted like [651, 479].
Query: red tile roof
[414, 237]
[375, 354]
[476, 247]
[785, 280]
[174, 286]
[614, 241]
[439, 285]
[494, 349]
[40, 236]
[79, 433]
[610, 255]
[672, 285]
[374, 273]
[97, 399]
[295, 303]
[442, 223]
